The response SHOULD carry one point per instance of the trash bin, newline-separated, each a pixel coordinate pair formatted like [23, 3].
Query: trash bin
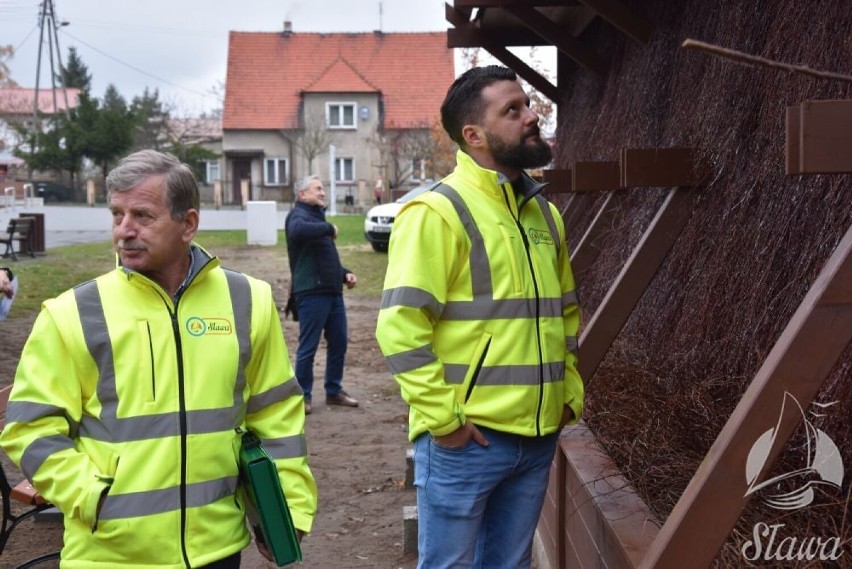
[261, 223]
[37, 237]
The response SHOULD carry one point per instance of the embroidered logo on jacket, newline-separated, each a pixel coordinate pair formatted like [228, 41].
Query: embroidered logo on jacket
[209, 326]
[538, 236]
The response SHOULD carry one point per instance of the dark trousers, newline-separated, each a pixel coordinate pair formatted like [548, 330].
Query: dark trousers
[230, 562]
[321, 315]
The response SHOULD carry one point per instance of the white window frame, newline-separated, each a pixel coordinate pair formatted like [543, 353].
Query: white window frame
[339, 168]
[418, 169]
[212, 171]
[341, 105]
[279, 179]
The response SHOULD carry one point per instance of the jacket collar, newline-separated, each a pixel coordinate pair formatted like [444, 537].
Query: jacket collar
[312, 209]
[200, 262]
[525, 186]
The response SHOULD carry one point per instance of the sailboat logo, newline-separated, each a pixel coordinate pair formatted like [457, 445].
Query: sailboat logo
[824, 464]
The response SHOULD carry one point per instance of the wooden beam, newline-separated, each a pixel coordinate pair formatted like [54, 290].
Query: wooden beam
[575, 212]
[804, 355]
[459, 17]
[558, 180]
[555, 35]
[508, 58]
[595, 176]
[472, 37]
[622, 18]
[633, 279]
[825, 137]
[588, 249]
[567, 207]
[530, 75]
[659, 167]
[793, 134]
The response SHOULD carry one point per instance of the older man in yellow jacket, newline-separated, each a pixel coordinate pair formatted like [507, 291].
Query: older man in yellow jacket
[478, 324]
[133, 388]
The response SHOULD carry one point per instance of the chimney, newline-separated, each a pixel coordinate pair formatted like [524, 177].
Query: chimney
[288, 28]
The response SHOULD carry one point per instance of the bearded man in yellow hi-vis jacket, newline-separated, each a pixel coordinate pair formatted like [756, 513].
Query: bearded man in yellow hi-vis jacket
[133, 388]
[478, 324]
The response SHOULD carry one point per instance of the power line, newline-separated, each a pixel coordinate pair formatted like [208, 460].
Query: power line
[134, 68]
[23, 41]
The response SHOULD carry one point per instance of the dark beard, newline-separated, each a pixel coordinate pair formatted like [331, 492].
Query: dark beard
[519, 156]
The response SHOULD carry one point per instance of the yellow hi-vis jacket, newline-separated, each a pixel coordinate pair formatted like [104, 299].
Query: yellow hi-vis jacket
[123, 393]
[479, 312]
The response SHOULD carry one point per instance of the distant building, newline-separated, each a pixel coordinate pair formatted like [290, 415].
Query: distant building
[17, 105]
[207, 133]
[289, 96]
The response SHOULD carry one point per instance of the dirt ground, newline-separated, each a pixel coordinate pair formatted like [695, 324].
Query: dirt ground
[357, 455]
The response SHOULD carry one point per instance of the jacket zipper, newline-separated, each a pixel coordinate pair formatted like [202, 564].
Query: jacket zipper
[183, 429]
[153, 369]
[526, 242]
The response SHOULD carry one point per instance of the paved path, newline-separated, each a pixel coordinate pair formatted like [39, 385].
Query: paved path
[66, 225]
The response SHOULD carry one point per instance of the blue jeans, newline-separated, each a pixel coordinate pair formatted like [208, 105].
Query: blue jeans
[318, 314]
[479, 506]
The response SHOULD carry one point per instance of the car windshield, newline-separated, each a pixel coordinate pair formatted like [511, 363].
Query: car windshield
[414, 193]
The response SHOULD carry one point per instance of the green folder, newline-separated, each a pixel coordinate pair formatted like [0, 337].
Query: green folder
[266, 506]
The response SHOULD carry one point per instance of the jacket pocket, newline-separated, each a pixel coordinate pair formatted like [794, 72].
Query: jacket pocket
[514, 252]
[147, 379]
[474, 368]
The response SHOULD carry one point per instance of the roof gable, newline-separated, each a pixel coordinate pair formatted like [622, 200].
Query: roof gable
[341, 77]
[269, 72]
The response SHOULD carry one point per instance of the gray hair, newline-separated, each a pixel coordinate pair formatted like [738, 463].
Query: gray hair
[303, 183]
[181, 187]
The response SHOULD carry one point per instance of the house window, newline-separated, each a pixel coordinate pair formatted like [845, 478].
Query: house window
[344, 170]
[212, 171]
[340, 115]
[275, 171]
[418, 169]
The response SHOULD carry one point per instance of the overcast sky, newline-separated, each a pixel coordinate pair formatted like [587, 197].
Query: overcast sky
[180, 46]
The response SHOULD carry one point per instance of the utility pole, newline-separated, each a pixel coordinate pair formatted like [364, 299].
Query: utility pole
[332, 163]
[47, 19]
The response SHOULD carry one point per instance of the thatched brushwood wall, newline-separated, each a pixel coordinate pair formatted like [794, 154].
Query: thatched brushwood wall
[747, 257]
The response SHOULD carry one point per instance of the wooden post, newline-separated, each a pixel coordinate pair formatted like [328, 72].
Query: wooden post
[798, 364]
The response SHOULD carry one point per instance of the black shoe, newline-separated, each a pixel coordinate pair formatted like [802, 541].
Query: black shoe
[341, 399]
[308, 407]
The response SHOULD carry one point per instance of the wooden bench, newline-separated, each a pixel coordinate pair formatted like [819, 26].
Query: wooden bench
[23, 493]
[20, 229]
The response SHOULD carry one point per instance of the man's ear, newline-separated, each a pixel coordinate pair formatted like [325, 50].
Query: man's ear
[473, 136]
[190, 225]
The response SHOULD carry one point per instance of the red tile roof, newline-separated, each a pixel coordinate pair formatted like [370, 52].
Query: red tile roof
[267, 73]
[19, 100]
[341, 77]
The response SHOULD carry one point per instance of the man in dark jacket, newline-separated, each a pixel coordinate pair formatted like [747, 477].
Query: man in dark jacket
[317, 280]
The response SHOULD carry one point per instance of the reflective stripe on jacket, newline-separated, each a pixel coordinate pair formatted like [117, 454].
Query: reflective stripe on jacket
[479, 313]
[121, 392]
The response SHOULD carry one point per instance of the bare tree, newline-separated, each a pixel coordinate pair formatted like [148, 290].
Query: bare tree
[397, 148]
[442, 151]
[401, 149]
[314, 138]
[6, 53]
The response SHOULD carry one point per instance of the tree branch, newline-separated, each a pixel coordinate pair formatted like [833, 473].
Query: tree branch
[755, 60]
